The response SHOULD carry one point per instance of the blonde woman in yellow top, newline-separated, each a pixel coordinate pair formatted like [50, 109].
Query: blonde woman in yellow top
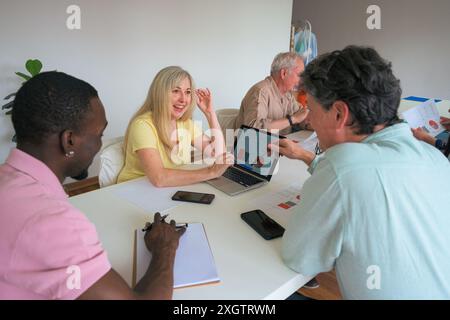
[160, 135]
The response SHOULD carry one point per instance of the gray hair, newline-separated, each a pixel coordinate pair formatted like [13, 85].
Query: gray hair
[284, 60]
[361, 78]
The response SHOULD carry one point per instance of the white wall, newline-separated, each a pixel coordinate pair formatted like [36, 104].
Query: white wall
[227, 45]
[415, 36]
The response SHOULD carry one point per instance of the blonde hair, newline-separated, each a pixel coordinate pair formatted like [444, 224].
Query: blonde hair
[158, 102]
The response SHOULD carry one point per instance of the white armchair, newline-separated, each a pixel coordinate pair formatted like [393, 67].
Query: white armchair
[227, 118]
[111, 162]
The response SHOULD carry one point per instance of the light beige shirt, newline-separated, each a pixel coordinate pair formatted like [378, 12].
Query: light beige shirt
[264, 103]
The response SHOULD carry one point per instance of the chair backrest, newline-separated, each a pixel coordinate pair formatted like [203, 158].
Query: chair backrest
[111, 162]
[227, 118]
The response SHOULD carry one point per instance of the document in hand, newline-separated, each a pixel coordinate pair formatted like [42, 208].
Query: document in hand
[194, 262]
[425, 116]
[310, 143]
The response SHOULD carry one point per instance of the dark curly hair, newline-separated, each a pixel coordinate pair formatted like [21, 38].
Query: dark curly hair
[362, 79]
[50, 103]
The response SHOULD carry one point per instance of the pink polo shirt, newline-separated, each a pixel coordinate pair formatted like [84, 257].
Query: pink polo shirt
[47, 247]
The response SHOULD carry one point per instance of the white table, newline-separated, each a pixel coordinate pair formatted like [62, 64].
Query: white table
[249, 266]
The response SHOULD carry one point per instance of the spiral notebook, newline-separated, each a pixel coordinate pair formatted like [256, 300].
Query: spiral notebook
[194, 262]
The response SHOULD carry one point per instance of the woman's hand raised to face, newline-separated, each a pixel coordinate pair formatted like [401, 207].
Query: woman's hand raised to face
[204, 101]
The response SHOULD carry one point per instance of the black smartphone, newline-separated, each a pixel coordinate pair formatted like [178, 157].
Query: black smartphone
[264, 225]
[196, 197]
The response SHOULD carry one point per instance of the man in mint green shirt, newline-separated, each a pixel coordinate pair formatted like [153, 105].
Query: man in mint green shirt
[377, 206]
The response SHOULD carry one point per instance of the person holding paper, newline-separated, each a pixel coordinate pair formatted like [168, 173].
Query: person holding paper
[49, 249]
[376, 205]
[428, 138]
[161, 134]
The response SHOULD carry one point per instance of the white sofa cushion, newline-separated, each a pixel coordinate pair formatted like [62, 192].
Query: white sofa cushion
[111, 162]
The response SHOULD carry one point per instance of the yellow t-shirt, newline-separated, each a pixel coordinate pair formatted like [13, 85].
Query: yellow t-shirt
[143, 135]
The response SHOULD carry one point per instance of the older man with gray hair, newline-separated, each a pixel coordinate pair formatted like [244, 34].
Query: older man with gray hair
[270, 104]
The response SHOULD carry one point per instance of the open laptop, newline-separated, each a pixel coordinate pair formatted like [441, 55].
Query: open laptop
[253, 166]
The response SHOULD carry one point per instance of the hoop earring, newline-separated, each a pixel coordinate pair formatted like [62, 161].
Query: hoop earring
[70, 154]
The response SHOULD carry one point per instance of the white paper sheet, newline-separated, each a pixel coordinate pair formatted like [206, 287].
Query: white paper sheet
[194, 262]
[146, 196]
[280, 205]
[425, 116]
[310, 143]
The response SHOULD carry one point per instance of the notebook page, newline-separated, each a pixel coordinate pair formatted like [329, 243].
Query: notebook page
[194, 262]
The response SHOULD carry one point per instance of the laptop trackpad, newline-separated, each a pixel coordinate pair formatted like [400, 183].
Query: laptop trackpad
[221, 182]
[226, 185]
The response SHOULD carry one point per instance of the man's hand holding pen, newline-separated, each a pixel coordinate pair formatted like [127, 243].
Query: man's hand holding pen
[148, 225]
[162, 236]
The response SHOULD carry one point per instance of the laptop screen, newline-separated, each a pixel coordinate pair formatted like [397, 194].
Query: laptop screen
[250, 152]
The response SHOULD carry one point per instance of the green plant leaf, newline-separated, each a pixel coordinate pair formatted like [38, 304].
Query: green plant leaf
[22, 75]
[9, 96]
[33, 66]
[9, 105]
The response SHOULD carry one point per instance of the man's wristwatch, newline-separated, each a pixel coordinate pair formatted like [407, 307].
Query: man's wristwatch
[290, 120]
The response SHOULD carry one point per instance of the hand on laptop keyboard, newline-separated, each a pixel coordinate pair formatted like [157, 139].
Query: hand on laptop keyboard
[241, 177]
[221, 165]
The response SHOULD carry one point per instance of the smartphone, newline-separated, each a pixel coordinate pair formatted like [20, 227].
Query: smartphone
[264, 225]
[196, 197]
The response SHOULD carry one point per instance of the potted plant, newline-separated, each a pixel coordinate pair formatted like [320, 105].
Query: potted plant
[34, 67]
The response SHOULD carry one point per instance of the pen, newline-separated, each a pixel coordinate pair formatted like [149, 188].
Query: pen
[317, 150]
[148, 225]
[181, 225]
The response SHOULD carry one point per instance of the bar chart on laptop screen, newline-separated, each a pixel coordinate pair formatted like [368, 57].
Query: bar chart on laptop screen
[251, 151]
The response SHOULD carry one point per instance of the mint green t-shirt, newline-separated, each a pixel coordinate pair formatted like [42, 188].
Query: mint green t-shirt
[379, 212]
